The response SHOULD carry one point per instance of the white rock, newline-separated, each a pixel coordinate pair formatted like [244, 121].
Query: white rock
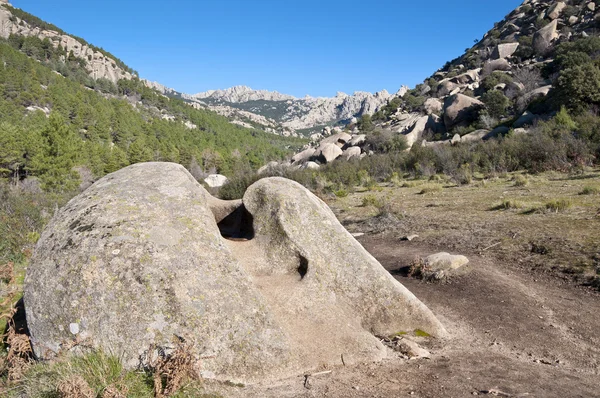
[216, 180]
[445, 261]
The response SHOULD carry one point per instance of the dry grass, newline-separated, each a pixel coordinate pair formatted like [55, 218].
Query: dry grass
[430, 188]
[459, 219]
[171, 370]
[558, 205]
[520, 180]
[75, 387]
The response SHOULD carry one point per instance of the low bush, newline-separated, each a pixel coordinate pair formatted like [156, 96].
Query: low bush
[558, 205]
[508, 204]
[520, 181]
[590, 190]
[431, 188]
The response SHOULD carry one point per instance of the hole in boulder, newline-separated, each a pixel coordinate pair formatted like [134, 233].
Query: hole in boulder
[303, 267]
[237, 225]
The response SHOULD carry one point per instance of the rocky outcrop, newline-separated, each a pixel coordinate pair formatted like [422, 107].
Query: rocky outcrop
[97, 64]
[141, 258]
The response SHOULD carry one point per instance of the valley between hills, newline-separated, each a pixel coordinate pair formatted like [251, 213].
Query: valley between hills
[438, 241]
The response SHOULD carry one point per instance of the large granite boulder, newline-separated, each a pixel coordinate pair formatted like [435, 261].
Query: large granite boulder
[141, 257]
[328, 152]
[544, 37]
[460, 109]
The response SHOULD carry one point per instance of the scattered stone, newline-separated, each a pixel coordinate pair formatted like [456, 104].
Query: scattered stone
[351, 152]
[445, 261]
[358, 140]
[455, 139]
[311, 166]
[410, 237]
[555, 10]
[341, 138]
[216, 180]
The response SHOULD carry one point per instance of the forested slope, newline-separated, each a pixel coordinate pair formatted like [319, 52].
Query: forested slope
[50, 124]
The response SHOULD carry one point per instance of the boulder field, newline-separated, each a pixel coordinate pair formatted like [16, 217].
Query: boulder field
[264, 287]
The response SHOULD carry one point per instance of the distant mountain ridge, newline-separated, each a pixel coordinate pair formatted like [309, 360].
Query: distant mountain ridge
[292, 113]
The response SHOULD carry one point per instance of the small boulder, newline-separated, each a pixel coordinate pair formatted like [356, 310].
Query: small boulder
[497, 64]
[269, 167]
[555, 10]
[303, 156]
[358, 140]
[338, 139]
[351, 152]
[445, 262]
[311, 166]
[455, 139]
[411, 349]
[216, 180]
[505, 50]
[329, 152]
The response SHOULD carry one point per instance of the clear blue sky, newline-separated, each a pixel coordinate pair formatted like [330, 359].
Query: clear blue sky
[297, 47]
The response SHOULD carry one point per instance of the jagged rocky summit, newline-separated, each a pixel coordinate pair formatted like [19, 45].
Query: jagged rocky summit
[289, 112]
[145, 255]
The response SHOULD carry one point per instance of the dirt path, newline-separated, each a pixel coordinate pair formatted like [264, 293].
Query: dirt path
[512, 333]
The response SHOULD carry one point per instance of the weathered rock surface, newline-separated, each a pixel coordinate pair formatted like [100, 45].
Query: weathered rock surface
[216, 180]
[459, 109]
[444, 261]
[139, 258]
[351, 152]
[303, 156]
[329, 152]
[544, 37]
[97, 64]
[505, 50]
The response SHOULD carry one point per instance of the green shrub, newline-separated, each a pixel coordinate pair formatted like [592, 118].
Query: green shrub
[341, 193]
[371, 200]
[590, 190]
[494, 79]
[496, 103]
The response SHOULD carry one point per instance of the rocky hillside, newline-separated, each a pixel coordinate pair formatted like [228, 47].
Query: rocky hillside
[286, 114]
[98, 63]
[541, 58]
